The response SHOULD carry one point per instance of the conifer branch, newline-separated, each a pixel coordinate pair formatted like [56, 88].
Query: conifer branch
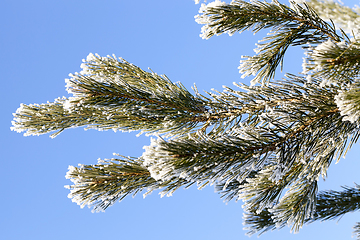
[287, 150]
[252, 143]
[299, 25]
[329, 205]
[337, 63]
[36, 119]
[111, 180]
[113, 94]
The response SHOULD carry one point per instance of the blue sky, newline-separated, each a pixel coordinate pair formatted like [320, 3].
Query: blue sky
[41, 43]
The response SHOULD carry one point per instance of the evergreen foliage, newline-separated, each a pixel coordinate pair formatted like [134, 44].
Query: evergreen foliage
[266, 144]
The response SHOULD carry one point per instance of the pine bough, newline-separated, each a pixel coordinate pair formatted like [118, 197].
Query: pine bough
[251, 142]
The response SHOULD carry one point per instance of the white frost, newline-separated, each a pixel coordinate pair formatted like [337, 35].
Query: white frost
[91, 57]
[155, 159]
[348, 109]
[204, 18]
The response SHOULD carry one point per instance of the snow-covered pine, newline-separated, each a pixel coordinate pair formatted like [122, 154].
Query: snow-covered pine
[266, 144]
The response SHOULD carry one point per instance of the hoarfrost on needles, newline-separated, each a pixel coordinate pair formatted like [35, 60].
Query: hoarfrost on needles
[85, 69]
[319, 53]
[348, 109]
[91, 57]
[154, 160]
[203, 18]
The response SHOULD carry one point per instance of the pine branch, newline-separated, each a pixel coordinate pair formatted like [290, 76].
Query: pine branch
[269, 134]
[299, 25]
[101, 185]
[109, 82]
[291, 140]
[113, 94]
[36, 119]
[337, 63]
[252, 143]
[304, 162]
[329, 205]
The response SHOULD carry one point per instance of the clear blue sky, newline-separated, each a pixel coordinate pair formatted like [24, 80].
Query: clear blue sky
[42, 42]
